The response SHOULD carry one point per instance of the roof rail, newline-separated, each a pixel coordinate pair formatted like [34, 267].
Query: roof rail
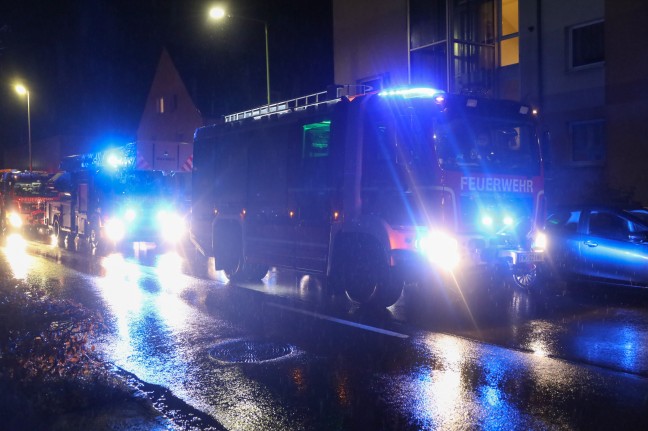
[333, 95]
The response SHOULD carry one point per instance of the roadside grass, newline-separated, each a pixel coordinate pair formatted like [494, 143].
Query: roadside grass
[50, 376]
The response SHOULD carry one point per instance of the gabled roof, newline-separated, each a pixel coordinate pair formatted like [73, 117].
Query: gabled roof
[169, 114]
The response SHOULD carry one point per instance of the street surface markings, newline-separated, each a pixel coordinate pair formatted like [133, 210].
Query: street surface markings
[341, 321]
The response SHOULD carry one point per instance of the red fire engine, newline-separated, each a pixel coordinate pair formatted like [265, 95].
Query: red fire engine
[23, 197]
[373, 190]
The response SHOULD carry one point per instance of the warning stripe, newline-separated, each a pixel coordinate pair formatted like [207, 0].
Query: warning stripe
[142, 163]
[187, 166]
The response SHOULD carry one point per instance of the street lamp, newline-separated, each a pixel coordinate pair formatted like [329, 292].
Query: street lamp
[218, 13]
[22, 90]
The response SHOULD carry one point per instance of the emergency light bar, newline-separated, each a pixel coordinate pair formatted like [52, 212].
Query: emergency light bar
[419, 92]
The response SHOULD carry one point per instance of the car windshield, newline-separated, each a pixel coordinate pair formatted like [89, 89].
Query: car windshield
[640, 213]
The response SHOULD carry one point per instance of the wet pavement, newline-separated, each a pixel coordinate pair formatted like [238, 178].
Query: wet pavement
[283, 354]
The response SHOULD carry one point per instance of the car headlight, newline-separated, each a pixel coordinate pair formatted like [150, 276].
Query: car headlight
[114, 229]
[15, 220]
[439, 248]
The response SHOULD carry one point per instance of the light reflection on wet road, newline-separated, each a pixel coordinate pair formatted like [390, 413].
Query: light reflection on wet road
[516, 361]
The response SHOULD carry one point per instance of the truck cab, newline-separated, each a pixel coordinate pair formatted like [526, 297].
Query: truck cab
[23, 198]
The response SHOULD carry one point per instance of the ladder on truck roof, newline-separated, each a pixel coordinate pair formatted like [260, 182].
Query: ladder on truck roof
[301, 103]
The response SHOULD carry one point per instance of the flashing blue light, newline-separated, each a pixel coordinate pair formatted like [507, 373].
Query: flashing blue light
[114, 161]
[487, 220]
[130, 214]
[420, 92]
[508, 220]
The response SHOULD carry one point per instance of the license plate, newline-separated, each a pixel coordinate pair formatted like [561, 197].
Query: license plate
[530, 257]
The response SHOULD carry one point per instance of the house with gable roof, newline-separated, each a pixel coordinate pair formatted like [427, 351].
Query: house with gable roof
[165, 134]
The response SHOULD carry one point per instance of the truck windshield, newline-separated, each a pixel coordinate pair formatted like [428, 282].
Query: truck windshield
[488, 146]
[132, 183]
[145, 183]
[30, 186]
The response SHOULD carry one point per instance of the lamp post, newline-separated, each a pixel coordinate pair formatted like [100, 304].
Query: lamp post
[22, 90]
[219, 13]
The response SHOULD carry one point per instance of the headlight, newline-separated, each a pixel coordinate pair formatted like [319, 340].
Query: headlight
[114, 229]
[439, 248]
[15, 220]
[130, 214]
[497, 221]
[539, 241]
[172, 226]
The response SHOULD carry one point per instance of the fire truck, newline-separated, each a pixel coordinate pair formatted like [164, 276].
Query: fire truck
[374, 190]
[23, 197]
[104, 202]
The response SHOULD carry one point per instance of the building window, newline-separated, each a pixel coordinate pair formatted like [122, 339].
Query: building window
[586, 45]
[159, 105]
[510, 33]
[428, 43]
[473, 45]
[166, 104]
[588, 142]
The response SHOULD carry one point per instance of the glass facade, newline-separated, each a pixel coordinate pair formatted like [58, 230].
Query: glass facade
[458, 45]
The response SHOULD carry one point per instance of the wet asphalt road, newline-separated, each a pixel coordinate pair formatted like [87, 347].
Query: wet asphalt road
[283, 354]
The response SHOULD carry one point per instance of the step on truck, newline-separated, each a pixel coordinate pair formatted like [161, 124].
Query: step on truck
[374, 191]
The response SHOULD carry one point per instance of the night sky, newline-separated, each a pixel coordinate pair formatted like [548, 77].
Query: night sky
[89, 64]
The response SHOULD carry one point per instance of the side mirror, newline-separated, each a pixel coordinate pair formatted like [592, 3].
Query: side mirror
[545, 148]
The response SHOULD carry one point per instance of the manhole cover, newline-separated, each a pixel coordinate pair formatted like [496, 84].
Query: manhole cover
[249, 351]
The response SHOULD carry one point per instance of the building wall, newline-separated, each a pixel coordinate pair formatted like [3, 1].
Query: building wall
[568, 96]
[168, 122]
[370, 40]
[626, 51]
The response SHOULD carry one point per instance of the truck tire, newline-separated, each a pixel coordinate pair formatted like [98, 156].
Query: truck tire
[59, 235]
[233, 269]
[236, 269]
[227, 243]
[363, 268]
[255, 271]
[231, 260]
[524, 276]
[93, 239]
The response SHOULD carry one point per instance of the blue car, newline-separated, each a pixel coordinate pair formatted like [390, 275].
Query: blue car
[601, 244]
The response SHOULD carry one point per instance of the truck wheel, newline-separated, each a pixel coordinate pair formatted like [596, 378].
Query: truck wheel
[58, 234]
[367, 275]
[255, 271]
[232, 262]
[74, 242]
[389, 292]
[228, 251]
[524, 276]
[233, 269]
[3, 224]
[93, 240]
